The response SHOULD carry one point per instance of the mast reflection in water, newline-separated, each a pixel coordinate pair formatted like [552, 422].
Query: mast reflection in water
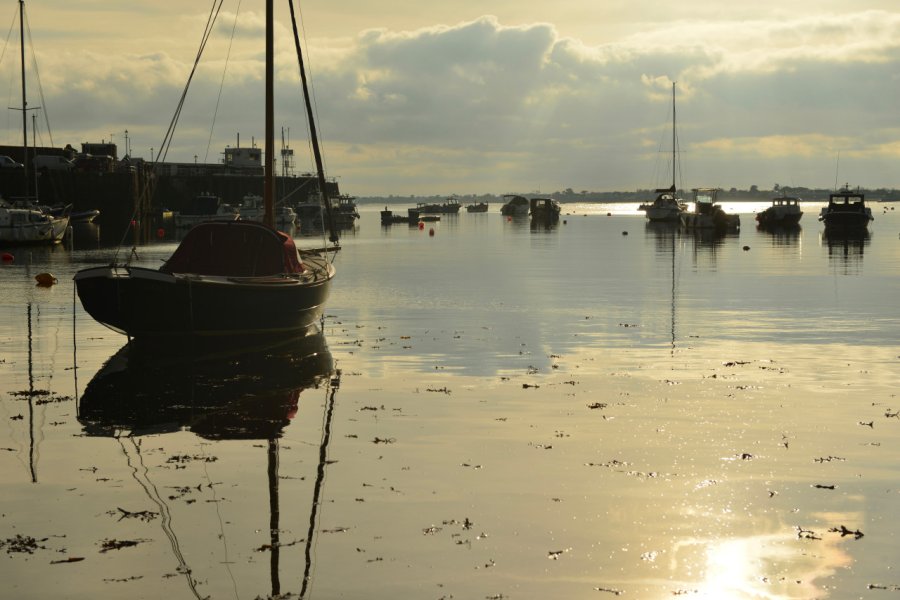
[219, 390]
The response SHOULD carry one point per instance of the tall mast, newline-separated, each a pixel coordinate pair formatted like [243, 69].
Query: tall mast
[673, 136]
[268, 187]
[24, 102]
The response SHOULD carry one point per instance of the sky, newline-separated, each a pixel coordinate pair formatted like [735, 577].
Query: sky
[483, 97]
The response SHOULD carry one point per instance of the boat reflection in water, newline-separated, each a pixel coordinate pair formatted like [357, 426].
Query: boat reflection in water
[219, 391]
[846, 249]
[213, 388]
[783, 236]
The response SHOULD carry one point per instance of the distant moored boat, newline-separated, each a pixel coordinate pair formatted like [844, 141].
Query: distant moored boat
[846, 212]
[784, 212]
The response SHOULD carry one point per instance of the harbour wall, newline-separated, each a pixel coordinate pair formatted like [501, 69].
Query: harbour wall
[139, 197]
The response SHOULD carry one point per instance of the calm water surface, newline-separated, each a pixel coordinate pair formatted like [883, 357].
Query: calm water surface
[491, 411]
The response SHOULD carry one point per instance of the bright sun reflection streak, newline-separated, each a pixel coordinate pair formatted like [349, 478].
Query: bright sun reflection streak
[732, 570]
[770, 567]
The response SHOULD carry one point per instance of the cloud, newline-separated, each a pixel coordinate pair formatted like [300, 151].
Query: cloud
[486, 106]
[815, 84]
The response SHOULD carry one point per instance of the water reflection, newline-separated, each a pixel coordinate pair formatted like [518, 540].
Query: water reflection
[739, 567]
[665, 237]
[32, 441]
[781, 235]
[544, 225]
[216, 389]
[711, 239]
[846, 250]
[84, 236]
[219, 391]
[518, 222]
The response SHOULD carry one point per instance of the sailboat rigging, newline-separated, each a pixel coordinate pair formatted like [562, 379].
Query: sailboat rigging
[667, 207]
[314, 138]
[225, 278]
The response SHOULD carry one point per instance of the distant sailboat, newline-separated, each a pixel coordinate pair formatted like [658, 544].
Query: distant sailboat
[23, 222]
[666, 207]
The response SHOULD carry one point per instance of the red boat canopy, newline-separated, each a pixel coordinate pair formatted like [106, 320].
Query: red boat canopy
[234, 249]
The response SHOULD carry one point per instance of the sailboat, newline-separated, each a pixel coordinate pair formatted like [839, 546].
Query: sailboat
[28, 225]
[225, 278]
[666, 207]
[23, 222]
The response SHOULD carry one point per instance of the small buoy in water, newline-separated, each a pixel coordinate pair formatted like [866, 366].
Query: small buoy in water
[608, 214]
[160, 233]
[624, 233]
[565, 221]
[133, 223]
[45, 279]
[431, 232]
[8, 258]
[421, 225]
[508, 219]
[746, 248]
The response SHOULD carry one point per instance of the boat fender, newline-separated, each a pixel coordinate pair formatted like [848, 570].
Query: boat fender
[8, 258]
[45, 279]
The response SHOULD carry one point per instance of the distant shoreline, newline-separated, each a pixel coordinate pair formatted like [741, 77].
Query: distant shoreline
[568, 197]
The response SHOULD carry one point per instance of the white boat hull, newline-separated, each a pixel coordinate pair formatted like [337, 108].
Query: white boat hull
[665, 214]
[27, 226]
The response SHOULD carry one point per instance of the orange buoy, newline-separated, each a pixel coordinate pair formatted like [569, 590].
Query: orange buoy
[45, 279]
[8, 258]
[421, 225]
[431, 232]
